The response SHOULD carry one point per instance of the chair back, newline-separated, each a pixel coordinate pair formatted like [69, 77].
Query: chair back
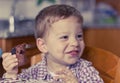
[107, 63]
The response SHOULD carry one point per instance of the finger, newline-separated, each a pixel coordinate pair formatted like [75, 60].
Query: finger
[58, 77]
[10, 62]
[65, 75]
[4, 55]
[7, 57]
[10, 57]
[13, 66]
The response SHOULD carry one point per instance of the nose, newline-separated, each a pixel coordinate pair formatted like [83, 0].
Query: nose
[74, 42]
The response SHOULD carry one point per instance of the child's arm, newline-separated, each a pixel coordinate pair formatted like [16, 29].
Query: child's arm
[10, 64]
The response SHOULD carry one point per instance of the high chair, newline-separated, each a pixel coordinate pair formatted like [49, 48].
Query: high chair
[107, 63]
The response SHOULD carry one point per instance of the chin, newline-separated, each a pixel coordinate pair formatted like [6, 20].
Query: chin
[71, 62]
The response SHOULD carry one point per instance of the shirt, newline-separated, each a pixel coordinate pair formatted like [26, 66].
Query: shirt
[82, 69]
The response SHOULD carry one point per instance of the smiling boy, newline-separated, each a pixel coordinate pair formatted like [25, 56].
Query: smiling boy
[59, 37]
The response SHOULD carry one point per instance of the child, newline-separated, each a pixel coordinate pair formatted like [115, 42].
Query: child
[59, 37]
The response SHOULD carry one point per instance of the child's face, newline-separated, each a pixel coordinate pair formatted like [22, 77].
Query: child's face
[64, 41]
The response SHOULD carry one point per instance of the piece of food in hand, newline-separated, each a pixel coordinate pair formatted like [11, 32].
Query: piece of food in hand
[19, 50]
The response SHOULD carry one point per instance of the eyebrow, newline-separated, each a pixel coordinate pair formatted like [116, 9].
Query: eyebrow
[62, 33]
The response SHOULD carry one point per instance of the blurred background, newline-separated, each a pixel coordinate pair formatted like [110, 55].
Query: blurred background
[101, 23]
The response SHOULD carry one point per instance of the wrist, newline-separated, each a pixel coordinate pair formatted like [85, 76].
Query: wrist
[11, 76]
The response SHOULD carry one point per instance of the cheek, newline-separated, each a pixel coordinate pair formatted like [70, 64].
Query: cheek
[82, 46]
[55, 46]
[60, 48]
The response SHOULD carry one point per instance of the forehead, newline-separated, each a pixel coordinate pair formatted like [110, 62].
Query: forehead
[68, 24]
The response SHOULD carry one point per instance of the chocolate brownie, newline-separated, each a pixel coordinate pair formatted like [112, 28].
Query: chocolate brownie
[19, 50]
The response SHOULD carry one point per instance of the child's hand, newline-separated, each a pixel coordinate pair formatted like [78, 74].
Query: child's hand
[10, 64]
[66, 75]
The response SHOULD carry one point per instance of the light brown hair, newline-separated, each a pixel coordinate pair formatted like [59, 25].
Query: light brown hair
[51, 14]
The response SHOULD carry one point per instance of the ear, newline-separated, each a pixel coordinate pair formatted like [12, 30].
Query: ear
[41, 45]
